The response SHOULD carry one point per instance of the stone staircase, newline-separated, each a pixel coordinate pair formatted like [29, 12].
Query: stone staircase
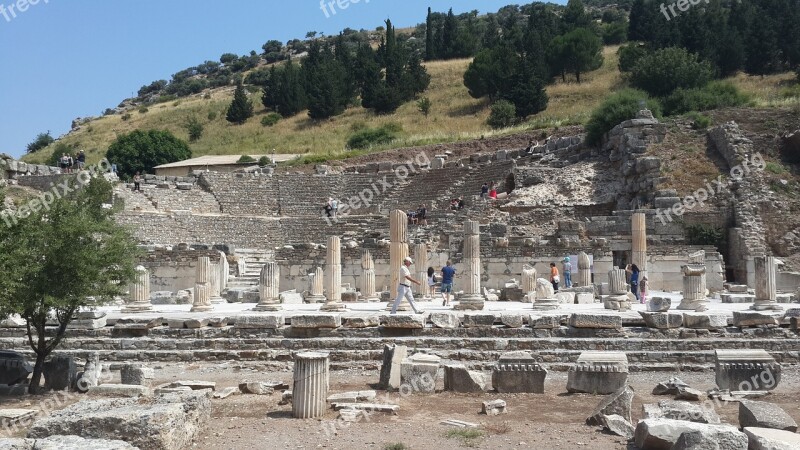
[254, 261]
[133, 200]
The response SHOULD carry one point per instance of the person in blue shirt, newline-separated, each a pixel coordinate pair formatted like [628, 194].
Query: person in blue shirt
[448, 272]
[633, 269]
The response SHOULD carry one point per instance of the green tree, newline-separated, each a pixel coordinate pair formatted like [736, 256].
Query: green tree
[575, 16]
[328, 84]
[285, 91]
[42, 140]
[241, 108]
[503, 114]
[194, 128]
[581, 52]
[54, 259]
[59, 150]
[661, 72]
[424, 106]
[616, 109]
[141, 151]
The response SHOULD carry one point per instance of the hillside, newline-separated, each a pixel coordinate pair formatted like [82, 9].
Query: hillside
[455, 116]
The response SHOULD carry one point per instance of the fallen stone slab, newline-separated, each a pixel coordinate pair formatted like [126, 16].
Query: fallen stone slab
[286, 398]
[259, 322]
[316, 321]
[680, 410]
[659, 304]
[598, 373]
[478, 320]
[369, 407]
[446, 320]
[194, 384]
[119, 390]
[746, 370]
[255, 388]
[704, 321]
[764, 415]
[602, 321]
[362, 322]
[136, 375]
[225, 393]
[771, 439]
[64, 443]
[418, 374]
[669, 387]
[662, 320]
[393, 356]
[11, 417]
[353, 397]
[196, 323]
[218, 322]
[512, 320]
[690, 394]
[176, 324]
[352, 415]
[168, 422]
[710, 440]
[518, 372]
[458, 423]
[616, 404]
[458, 379]
[753, 318]
[60, 373]
[663, 434]
[538, 322]
[142, 322]
[493, 407]
[14, 368]
[403, 321]
[584, 299]
[618, 425]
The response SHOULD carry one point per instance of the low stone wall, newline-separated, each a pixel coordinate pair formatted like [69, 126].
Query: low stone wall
[174, 270]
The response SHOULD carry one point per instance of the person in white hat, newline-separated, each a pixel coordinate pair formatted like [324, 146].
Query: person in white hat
[404, 289]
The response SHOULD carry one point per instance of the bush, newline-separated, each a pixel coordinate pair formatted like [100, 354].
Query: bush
[42, 140]
[503, 114]
[143, 110]
[140, 151]
[212, 115]
[194, 128]
[775, 168]
[717, 94]
[369, 137]
[271, 119]
[701, 234]
[424, 106]
[699, 121]
[58, 151]
[393, 127]
[661, 72]
[616, 109]
[629, 55]
[264, 161]
[126, 117]
[246, 159]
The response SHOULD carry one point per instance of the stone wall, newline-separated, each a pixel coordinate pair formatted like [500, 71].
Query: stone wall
[174, 270]
[11, 169]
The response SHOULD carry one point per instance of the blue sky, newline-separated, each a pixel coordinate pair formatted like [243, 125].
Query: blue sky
[63, 59]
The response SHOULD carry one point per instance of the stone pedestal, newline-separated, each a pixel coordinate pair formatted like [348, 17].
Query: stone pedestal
[202, 286]
[418, 374]
[584, 270]
[598, 373]
[333, 276]
[766, 285]
[368, 289]
[546, 299]
[268, 288]
[214, 282]
[746, 370]
[618, 299]
[694, 284]
[528, 283]
[518, 373]
[398, 251]
[317, 294]
[310, 385]
[140, 293]
[472, 299]
[421, 266]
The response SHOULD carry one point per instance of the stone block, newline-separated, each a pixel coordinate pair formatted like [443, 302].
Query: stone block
[256, 388]
[538, 322]
[584, 299]
[60, 373]
[176, 324]
[566, 298]
[65, 442]
[618, 425]
[418, 374]
[663, 434]
[769, 439]
[707, 439]
[669, 387]
[446, 320]
[11, 417]
[316, 321]
[753, 318]
[589, 320]
[403, 321]
[518, 372]
[746, 370]
[196, 323]
[14, 369]
[370, 407]
[353, 397]
[598, 373]
[193, 385]
[737, 298]
[349, 297]
[493, 407]
[260, 322]
[218, 322]
[659, 304]
[458, 379]
[119, 390]
[393, 356]
[617, 403]
[680, 410]
[478, 320]
[662, 320]
[704, 321]
[88, 324]
[362, 322]
[764, 415]
[512, 320]
[291, 298]
[136, 375]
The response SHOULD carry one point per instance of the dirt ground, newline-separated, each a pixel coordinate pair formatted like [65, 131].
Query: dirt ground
[554, 420]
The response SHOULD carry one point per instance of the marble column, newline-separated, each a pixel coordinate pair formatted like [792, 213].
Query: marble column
[618, 286]
[545, 296]
[584, 270]
[333, 276]
[202, 286]
[214, 283]
[368, 291]
[139, 293]
[224, 272]
[766, 284]
[472, 299]
[694, 283]
[310, 385]
[317, 294]
[269, 288]
[639, 242]
[421, 264]
[398, 251]
[529, 283]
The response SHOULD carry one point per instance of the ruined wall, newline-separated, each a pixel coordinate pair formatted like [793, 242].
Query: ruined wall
[174, 270]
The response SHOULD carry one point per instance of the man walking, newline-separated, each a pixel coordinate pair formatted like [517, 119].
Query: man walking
[447, 281]
[567, 270]
[404, 289]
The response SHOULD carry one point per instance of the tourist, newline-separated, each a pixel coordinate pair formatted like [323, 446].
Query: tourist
[334, 206]
[448, 272]
[422, 212]
[63, 162]
[412, 217]
[454, 204]
[328, 207]
[432, 281]
[492, 192]
[137, 182]
[643, 290]
[484, 191]
[566, 267]
[634, 271]
[554, 279]
[460, 203]
[404, 288]
[81, 160]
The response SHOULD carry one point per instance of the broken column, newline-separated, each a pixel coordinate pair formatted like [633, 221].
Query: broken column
[618, 286]
[398, 251]
[694, 283]
[584, 270]
[368, 291]
[202, 288]
[214, 281]
[224, 272]
[639, 242]
[421, 264]
[472, 299]
[529, 283]
[139, 292]
[268, 288]
[766, 286]
[310, 385]
[545, 296]
[333, 276]
[317, 287]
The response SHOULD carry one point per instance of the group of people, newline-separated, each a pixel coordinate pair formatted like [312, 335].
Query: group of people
[488, 191]
[638, 283]
[555, 278]
[69, 163]
[457, 204]
[331, 206]
[418, 217]
[404, 288]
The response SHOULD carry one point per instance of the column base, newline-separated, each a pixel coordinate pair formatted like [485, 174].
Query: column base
[201, 308]
[546, 304]
[617, 303]
[217, 300]
[333, 307]
[268, 308]
[315, 299]
[133, 309]
[766, 306]
[374, 299]
[694, 305]
[470, 302]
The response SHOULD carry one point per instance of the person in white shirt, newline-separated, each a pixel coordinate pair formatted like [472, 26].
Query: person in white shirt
[404, 289]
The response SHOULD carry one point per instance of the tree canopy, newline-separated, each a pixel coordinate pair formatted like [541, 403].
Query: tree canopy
[141, 151]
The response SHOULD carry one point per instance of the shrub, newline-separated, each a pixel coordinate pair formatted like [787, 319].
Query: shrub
[194, 128]
[503, 114]
[246, 159]
[212, 115]
[58, 151]
[264, 161]
[717, 94]
[140, 151]
[702, 234]
[271, 119]
[775, 168]
[369, 137]
[629, 55]
[396, 446]
[661, 72]
[143, 110]
[616, 109]
[393, 127]
[424, 106]
[42, 140]
[699, 121]
[126, 117]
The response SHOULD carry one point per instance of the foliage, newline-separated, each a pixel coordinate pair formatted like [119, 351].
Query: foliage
[329, 86]
[369, 137]
[271, 119]
[141, 151]
[264, 161]
[629, 55]
[616, 109]
[424, 106]
[578, 51]
[212, 115]
[661, 72]
[241, 108]
[71, 251]
[699, 121]
[284, 91]
[468, 436]
[126, 117]
[615, 33]
[717, 94]
[143, 110]
[246, 159]
[503, 114]
[59, 150]
[702, 234]
[194, 128]
[42, 140]
[775, 168]
[395, 446]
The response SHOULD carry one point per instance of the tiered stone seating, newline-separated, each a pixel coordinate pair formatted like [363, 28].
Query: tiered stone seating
[196, 200]
[317, 230]
[244, 194]
[433, 189]
[305, 195]
[134, 201]
[486, 173]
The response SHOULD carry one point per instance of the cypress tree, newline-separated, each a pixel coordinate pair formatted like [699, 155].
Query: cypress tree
[240, 109]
